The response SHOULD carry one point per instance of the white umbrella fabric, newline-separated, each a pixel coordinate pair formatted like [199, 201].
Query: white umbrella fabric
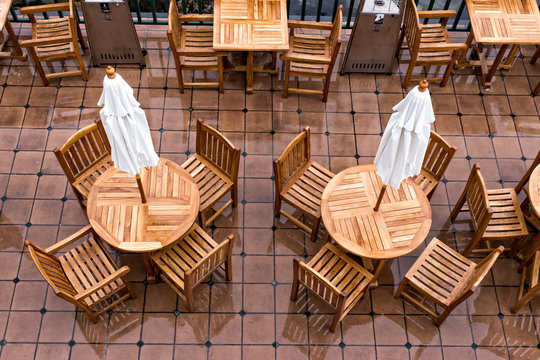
[126, 127]
[405, 139]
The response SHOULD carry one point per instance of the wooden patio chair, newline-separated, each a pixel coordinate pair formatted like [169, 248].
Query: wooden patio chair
[312, 56]
[428, 44]
[192, 259]
[86, 275]
[300, 182]
[496, 214]
[55, 39]
[84, 157]
[191, 47]
[214, 166]
[529, 286]
[444, 278]
[527, 213]
[438, 156]
[334, 277]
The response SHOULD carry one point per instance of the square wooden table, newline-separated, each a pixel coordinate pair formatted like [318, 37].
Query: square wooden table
[500, 22]
[251, 25]
[17, 52]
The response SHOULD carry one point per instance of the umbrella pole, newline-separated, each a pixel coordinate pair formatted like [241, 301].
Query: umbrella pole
[379, 199]
[141, 190]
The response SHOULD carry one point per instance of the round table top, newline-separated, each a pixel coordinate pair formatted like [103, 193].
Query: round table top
[117, 214]
[534, 190]
[399, 226]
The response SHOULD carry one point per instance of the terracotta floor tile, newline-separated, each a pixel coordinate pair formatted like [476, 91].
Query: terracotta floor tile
[12, 115]
[258, 329]
[474, 125]
[18, 351]
[23, 327]
[497, 105]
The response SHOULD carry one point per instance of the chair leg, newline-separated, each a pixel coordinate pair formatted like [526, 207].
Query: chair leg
[129, 287]
[220, 77]
[84, 73]
[443, 316]
[295, 284]
[408, 74]
[286, 83]
[315, 229]
[180, 78]
[523, 301]
[277, 207]
[535, 56]
[234, 195]
[326, 86]
[335, 321]
[274, 60]
[189, 299]
[400, 288]
[536, 90]
[459, 204]
[228, 269]
[202, 220]
[36, 60]
[515, 245]
[472, 244]
[449, 68]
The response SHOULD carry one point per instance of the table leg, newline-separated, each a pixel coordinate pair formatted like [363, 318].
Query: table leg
[17, 53]
[249, 73]
[151, 274]
[486, 78]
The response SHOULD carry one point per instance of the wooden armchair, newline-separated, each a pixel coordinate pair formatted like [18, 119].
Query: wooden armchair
[496, 214]
[84, 157]
[214, 166]
[529, 286]
[192, 48]
[428, 44]
[438, 156]
[334, 277]
[192, 259]
[527, 213]
[55, 39]
[86, 275]
[443, 277]
[300, 182]
[312, 56]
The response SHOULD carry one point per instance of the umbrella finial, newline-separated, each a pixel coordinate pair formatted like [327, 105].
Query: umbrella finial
[423, 85]
[111, 73]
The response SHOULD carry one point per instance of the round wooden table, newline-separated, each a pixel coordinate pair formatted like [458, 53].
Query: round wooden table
[534, 191]
[399, 226]
[118, 216]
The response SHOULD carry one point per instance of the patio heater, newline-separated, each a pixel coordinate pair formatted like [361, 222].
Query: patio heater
[111, 33]
[374, 37]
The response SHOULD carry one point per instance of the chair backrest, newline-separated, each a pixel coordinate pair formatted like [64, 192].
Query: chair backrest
[525, 179]
[210, 262]
[335, 33]
[83, 150]
[218, 150]
[174, 27]
[412, 27]
[313, 280]
[73, 20]
[480, 272]
[51, 270]
[438, 156]
[477, 200]
[294, 157]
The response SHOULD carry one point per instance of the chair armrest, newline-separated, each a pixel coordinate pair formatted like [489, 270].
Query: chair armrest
[114, 276]
[196, 17]
[74, 237]
[306, 59]
[443, 47]
[46, 41]
[310, 25]
[436, 14]
[44, 8]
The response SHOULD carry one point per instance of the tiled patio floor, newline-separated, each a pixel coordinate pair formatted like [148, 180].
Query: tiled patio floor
[252, 317]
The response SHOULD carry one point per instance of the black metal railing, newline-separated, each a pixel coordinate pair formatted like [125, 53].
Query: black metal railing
[155, 11]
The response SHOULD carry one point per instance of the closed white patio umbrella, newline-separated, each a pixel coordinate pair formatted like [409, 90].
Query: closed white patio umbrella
[405, 139]
[126, 127]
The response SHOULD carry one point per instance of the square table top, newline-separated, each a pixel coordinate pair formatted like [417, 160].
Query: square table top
[505, 21]
[250, 25]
